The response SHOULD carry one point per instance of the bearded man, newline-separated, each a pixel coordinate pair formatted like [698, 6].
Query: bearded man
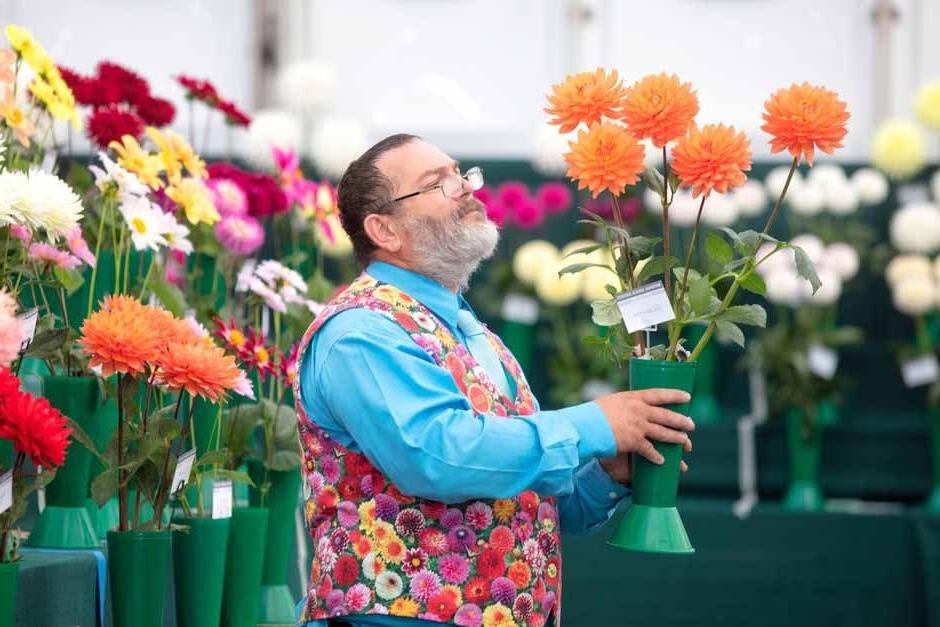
[436, 487]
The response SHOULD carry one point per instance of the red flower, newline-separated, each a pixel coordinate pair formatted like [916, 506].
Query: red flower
[491, 563]
[265, 196]
[501, 539]
[35, 427]
[198, 89]
[233, 115]
[103, 93]
[477, 590]
[529, 502]
[456, 367]
[356, 465]
[349, 489]
[407, 322]
[156, 111]
[552, 571]
[444, 603]
[9, 384]
[287, 365]
[82, 87]
[346, 571]
[111, 123]
[480, 399]
[232, 337]
[134, 88]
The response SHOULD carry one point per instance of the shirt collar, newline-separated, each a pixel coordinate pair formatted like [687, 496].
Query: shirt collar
[444, 303]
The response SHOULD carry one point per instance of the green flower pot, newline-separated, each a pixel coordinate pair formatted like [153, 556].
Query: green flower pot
[804, 444]
[64, 523]
[8, 574]
[244, 563]
[137, 569]
[199, 570]
[704, 405]
[652, 523]
[933, 501]
[277, 603]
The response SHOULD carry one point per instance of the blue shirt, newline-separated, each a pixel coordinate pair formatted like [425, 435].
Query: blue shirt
[376, 392]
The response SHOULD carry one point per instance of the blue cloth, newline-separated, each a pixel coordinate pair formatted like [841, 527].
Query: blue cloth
[481, 349]
[371, 388]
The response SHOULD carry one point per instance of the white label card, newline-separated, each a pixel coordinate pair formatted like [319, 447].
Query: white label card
[646, 306]
[519, 308]
[823, 361]
[184, 467]
[28, 320]
[919, 371]
[222, 499]
[6, 491]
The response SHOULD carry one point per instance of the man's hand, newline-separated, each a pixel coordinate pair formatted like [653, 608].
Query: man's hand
[636, 419]
[619, 468]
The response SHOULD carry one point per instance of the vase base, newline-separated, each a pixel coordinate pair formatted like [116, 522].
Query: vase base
[650, 529]
[803, 496]
[63, 528]
[277, 606]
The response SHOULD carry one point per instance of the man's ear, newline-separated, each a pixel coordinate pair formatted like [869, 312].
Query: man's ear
[383, 232]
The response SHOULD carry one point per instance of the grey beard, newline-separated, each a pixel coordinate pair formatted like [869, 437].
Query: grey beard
[449, 251]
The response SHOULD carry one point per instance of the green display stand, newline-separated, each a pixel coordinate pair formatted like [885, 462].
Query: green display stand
[652, 523]
[244, 563]
[199, 570]
[64, 523]
[277, 604]
[8, 575]
[704, 406]
[137, 570]
[804, 448]
[933, 501]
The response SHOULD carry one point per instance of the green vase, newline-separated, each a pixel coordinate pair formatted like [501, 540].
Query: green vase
[137, 568]
[64, 523]
[244, 563]
[804, 448]
[8, 575]
[933, 501]
[652, 523]
[704, 405]
[520, 340]
[106, 517]
[828, 413]
[277, 604]
[199, 570]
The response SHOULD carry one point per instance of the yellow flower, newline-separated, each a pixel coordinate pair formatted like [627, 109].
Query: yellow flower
[498, 615]
[132, 157]
[15, 118]
[404, 606]
[458, 594]
[899, 149]
[503, 509]
[927, 105]
[193, 197]
[176, 154]
[22, 40]
[393, 551]
[367, 516]
[382, 533]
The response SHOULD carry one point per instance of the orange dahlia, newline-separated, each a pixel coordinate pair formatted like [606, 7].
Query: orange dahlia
[201, 369]
[585, 97]
[803, 117]
[659, 107]
[606, 156]
[168, 328]
[714, 157]
[118, 337]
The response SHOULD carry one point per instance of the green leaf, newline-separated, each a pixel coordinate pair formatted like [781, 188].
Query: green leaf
[654, 180]
[47, 343]
[71, 280]
[212, 458]
[733, 235]
[578, 267]
[656, 266]
[694, 274]
[232, 475]
[699, 295]
[754, 283]
[170, 295]
[284, 460]
[104, 486]
[805, 267]
[718, 249]
[673, 183]
[750, 241]
[730, 332]
[80, 436]
[606, 313]
[79, 178]
[585, 250]
[593, 340]
[750, 315]
[642, 247]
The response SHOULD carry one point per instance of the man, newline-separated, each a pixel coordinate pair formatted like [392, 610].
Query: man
[437, 487]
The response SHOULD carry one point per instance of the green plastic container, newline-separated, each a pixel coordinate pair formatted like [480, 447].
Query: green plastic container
[804, 448]
[137, 569]
[933, 501]
[704, 405]
[199, 570]
[8, 574]
[277, 603]
[244, 563]
[64, 523]
[652, 523]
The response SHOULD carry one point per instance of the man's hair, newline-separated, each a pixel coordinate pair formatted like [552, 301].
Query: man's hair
[364, 189]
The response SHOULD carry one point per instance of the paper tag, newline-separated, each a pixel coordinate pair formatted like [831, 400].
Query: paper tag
[823, 361]
[913, 192]
[222, 499]
[646, 306]
[6, 491]
[28, 320]
[919, 371]
[184, 467]
[519, 308]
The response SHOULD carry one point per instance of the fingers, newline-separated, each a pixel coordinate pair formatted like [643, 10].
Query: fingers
[683, 467]
[647, 450]
[670, 419]
[663, 396]
[663, 434]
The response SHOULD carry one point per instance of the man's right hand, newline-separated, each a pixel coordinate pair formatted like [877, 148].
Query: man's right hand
[636, 419]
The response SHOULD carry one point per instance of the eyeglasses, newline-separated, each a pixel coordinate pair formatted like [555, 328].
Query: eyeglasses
[452, 186]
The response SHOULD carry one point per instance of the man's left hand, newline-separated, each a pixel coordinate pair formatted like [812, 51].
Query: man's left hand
[619, 468]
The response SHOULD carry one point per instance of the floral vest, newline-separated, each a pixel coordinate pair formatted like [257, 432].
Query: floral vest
[378, 551]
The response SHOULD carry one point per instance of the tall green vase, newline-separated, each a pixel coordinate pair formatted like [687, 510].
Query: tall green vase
[8, 575]
[704, 405]
[199, 570]
[64, 523]
[804, 448]
[244, 562]
[137, 570]
[277, 604]
[652, 523]
[933, 501]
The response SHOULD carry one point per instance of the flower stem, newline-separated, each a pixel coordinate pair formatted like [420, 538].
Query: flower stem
[671, 353]
[94, 270]
[710, 329]
[666, 242]
[783, 192]
[625, 251]
[122, 485]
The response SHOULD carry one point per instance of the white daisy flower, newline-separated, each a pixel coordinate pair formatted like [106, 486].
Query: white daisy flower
[243, 279]
[39, 201]
[113, 176]
[271, 298]
[176, 234]
[146, 222]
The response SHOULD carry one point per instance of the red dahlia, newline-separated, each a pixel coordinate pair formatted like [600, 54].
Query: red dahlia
[82, 87]
[233, 115]
[111, 123]
[156, 111]
[35, 427]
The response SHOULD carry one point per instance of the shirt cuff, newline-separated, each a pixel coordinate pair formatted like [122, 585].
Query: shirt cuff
[595, 439]
[597, 486]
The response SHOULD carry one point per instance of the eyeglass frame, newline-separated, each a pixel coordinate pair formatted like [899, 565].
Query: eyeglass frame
[440, 185]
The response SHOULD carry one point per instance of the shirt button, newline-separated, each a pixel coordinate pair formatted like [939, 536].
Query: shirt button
[612, 495]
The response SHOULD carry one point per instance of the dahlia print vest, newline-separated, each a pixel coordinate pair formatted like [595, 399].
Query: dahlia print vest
[379, 551]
